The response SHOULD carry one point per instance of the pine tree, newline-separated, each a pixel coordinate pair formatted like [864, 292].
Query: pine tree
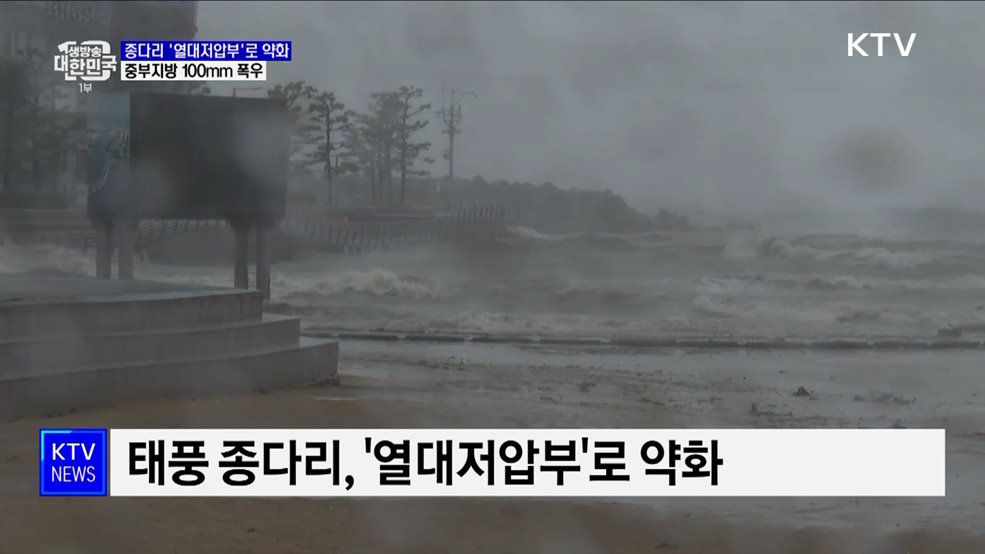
[406, 127]
[298, 95]
[331, 120]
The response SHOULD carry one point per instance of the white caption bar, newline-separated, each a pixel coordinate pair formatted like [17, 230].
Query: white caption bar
[754, 462]
[193, 71]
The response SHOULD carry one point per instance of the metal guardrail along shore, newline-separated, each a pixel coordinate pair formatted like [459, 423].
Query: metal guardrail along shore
[668, 342]
[148, 233]
[332, 232]
[357, 237]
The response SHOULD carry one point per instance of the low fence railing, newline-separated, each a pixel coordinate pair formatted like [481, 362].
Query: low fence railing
[334, 234]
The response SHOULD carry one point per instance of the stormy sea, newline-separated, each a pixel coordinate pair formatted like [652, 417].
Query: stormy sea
[702, 282]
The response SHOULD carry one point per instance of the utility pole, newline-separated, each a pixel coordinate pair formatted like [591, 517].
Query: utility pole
[452, 116]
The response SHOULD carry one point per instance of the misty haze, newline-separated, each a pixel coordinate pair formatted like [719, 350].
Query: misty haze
[642, 97]
[652, 215]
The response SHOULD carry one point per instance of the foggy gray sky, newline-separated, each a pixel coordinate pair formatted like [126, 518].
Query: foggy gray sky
[716, 106]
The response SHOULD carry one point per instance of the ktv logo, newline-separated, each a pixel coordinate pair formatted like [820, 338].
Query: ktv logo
[90, 60]
[855, 43]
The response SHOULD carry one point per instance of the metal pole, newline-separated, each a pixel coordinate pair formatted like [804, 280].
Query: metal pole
[124, 236]
[263, 258]
[241, 255]
[452, 117]
[104, 248]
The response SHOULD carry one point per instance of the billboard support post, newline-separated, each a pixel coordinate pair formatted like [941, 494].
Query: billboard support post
[104, 248]
[125, 229]
[263, 258]
[241, 254]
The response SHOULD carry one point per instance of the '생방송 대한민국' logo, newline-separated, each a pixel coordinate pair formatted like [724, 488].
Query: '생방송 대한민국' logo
[89, 60]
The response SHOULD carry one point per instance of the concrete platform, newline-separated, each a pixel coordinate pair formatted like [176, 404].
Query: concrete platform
[52, 393]
[70, 343]
[53, 307]
[19, 287]
[38, 353]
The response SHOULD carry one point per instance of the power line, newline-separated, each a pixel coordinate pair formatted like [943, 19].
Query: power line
[451, 116]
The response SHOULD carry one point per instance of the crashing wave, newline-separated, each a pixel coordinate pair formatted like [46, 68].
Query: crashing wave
[894, 259]
[527, 233]
[377, 282]
[44, 259]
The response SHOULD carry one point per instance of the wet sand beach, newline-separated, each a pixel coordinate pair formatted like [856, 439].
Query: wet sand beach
[418, 385]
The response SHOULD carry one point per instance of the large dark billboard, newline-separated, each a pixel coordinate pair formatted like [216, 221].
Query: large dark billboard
[202, 157]
[108, 161]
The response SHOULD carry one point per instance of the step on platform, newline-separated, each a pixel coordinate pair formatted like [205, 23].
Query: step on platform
[75, 343]
[57, 306]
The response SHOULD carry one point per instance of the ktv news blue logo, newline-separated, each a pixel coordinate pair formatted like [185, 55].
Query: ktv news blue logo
[73, 462]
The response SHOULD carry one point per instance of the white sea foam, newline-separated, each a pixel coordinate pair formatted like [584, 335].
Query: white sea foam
[866, 255]
[44, 258]
[527, 233]
[376, 281]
